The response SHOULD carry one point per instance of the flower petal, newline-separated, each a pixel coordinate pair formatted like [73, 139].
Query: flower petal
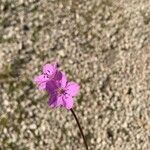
[40, 78]
[42, 86]
[55, 101]
[58, 75]
[52, 101]
[67, 102]
[72, 88]
[51, 87]
[63, 80]
[59, 101]
[49, 69]
[41, 81]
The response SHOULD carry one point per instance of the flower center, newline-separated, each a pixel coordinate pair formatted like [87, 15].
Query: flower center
[60, 91]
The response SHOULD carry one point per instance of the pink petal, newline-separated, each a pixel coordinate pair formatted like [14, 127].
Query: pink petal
[51, 87]
[40, 78]
[59, 101]
[58, 75]
[67, 102]
[63, 80]
[55, 101]
[52, 101]
[72, 88]
[42, 86]
[49, 69]
[41, 81]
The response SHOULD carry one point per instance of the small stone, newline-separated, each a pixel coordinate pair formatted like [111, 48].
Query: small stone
[33, 126]
[61, 53]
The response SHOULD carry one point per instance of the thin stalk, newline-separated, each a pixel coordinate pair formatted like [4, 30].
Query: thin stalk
[80, 128]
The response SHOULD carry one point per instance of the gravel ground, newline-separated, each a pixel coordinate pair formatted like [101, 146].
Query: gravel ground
[104, 45]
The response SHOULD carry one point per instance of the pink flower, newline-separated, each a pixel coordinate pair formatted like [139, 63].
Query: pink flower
[62, 92]
[49, 72]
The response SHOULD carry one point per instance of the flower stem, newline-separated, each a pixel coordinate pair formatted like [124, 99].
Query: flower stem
[80, 128]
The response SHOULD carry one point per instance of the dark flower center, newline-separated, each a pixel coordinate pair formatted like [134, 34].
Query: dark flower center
[60, 91]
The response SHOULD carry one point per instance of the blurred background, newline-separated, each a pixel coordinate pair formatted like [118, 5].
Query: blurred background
[104, 45]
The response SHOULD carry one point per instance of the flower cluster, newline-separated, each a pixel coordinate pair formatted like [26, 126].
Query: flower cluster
[60, 90]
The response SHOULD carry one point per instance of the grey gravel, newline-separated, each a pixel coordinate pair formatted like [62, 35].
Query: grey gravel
[104, 45]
